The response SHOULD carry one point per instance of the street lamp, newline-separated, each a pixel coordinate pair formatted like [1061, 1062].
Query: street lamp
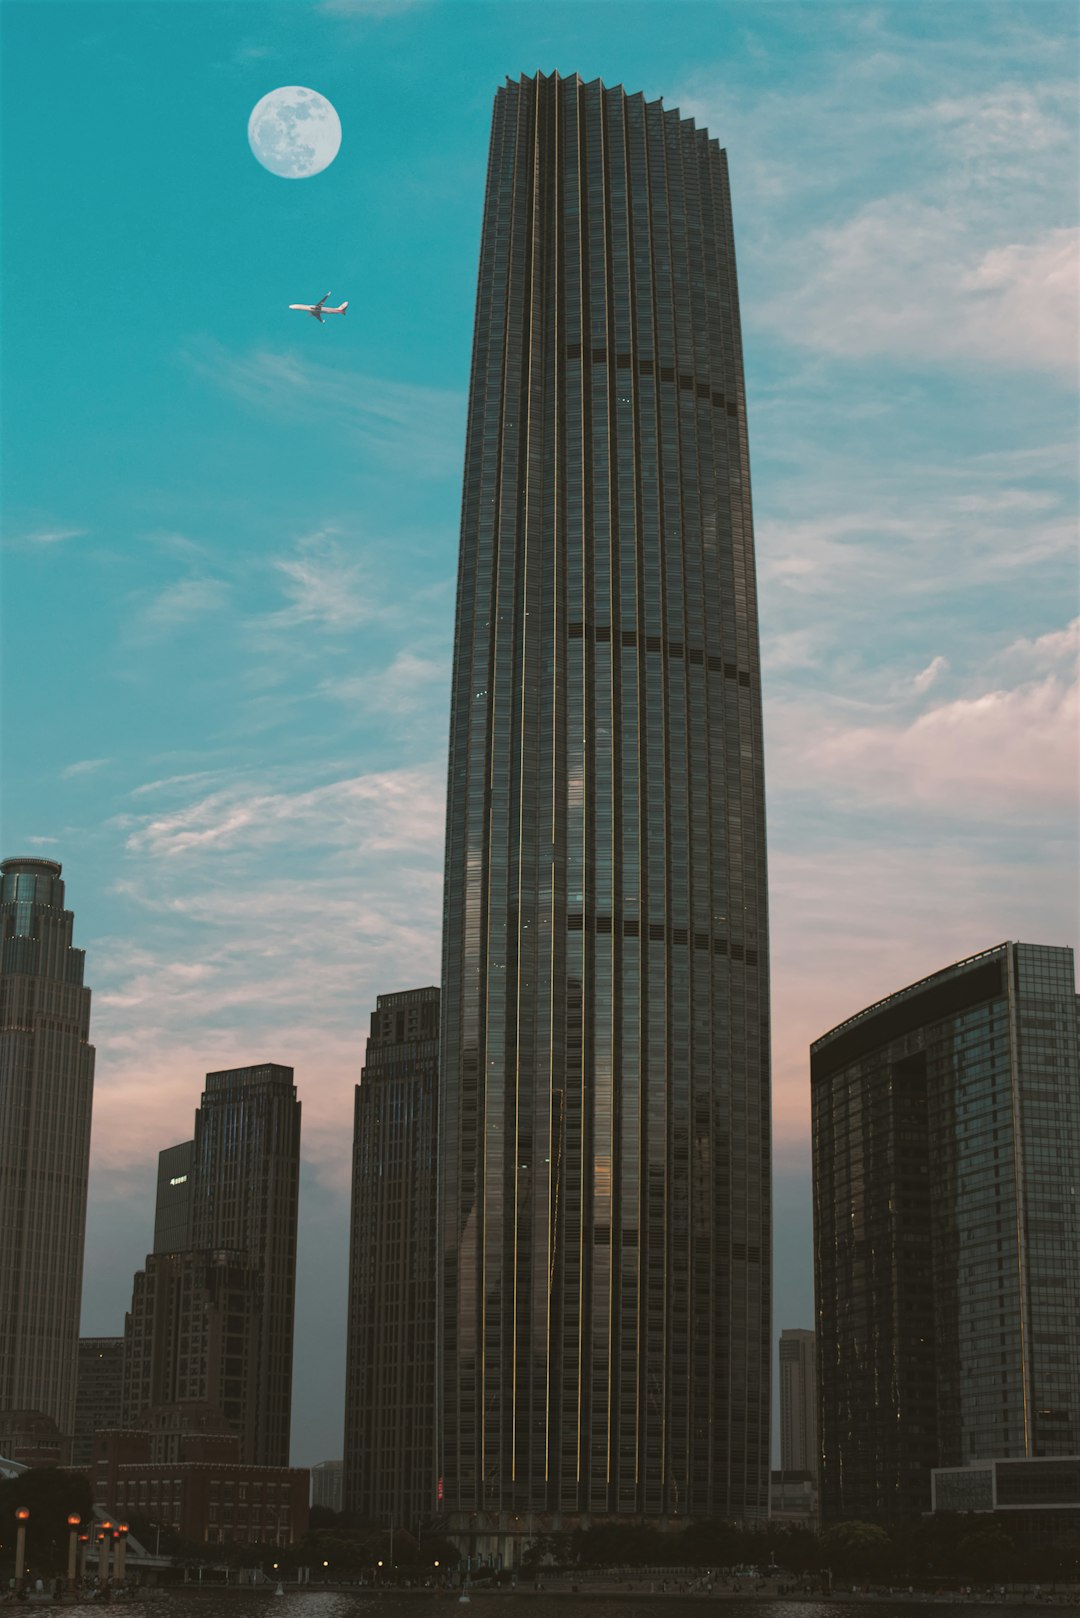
[326, 1566]
[74, 1524]
[120, 1551]
[103, 1555]
[22, 1517]
[84, 1540]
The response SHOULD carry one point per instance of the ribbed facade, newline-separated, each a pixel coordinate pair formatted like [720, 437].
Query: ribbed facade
[46, 1095]
[604, 1124]
[798, 1402]
[245, 1186]
[946, 1139]
[389, 1461]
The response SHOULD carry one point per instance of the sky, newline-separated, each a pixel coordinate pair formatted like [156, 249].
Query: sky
[230, 533]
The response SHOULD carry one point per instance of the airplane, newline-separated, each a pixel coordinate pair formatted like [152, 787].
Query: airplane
[318, 310]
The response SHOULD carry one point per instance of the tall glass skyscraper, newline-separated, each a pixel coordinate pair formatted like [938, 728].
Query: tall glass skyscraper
[46, 1094]
[604, 1122]
[388, 1474]
[245, 1188]
[946, 1135]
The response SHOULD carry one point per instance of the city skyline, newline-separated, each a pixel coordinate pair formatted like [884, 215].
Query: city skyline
[236, 746]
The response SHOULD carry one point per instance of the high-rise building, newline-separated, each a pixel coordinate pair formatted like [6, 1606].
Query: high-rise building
[172, 1211]
[192, 1337]
[46, 1094]
[99, 1399]
[798, 1402]
[604, 1118]
[326, 1485]
[245, 1186]
[390, 1365]
[946, 1139]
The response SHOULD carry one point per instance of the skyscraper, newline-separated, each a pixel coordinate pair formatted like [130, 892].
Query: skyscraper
[172, 1209]
[192, 1338]
[211, 1321]
[798, 1402]
[946, 1138]
[390, 1362]
[46, 1094]
[245, 1186]
[604, 1118]
[99, 1400]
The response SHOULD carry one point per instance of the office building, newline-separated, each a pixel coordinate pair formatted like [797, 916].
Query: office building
[183, 1471]
[326, 1485]
[245, 1184]
[389, 1462]
[192, 1337]
[798, 1402]
[29, 1439]
[1037, 1499]
[604, 1144]
[172, 1210]
[793, 1499]
[946, 1140]
[46, 1094]
[100, 1392]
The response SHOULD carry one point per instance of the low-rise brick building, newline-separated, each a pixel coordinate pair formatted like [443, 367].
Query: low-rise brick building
[183, 1470]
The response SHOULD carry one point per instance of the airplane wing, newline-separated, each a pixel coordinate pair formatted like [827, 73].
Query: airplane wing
[317, 312]
[322, 300]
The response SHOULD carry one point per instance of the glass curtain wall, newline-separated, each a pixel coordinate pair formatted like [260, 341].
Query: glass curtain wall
[604, 1133]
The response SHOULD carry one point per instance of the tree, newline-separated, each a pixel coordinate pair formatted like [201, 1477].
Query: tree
[859, 1549]
[987, 1553]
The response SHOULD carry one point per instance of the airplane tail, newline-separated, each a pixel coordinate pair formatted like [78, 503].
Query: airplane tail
[344, 306]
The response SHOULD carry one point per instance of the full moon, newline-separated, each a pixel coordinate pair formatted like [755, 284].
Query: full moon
[294, 132]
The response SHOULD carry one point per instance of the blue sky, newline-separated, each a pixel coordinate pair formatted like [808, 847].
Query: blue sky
[230, 534]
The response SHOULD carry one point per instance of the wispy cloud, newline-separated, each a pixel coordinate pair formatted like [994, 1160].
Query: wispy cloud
[410, 684]
[930, 674]
[378, 10]
[47, 536]
[402, 425]
[269, 918]
[84, 766]
[182, 602]
[905, 279]
[998, 753]
[325, 584]
[392, 811]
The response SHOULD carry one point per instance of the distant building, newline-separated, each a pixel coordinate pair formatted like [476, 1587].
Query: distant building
[46, 1092]
[192, 1337]
[1017, 1485]
[326, 1479]
[31, 1438]
[390, 1363]
[183, 1471]
[99, 1401]
[798, 1402]
[1041, 1495]
[245, 1185]
[946, 1142]
[793, 1499]
[172, 1213]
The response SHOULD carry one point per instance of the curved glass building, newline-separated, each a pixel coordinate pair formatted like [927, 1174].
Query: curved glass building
[604, 1132]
